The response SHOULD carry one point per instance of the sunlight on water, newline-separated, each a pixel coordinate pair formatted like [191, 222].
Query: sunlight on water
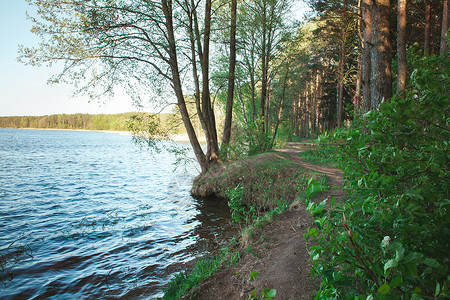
[87, 214]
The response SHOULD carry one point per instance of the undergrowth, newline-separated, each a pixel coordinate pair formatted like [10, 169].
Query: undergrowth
[322, 155]
[255, 184]
[183, 284]
[390, 239]
[257, 189]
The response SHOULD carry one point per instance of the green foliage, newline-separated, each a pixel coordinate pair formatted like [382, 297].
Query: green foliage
[250, 140]
[253, 275]
[183, 283]
[264, 181]
[115, 122]
[323, 155]
[266, 294]
[390, 239]
[239, 213]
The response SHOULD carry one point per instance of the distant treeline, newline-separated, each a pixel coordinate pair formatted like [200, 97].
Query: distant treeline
[116, 122]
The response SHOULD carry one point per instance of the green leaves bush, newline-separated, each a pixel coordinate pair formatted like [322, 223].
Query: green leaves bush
[248, 141]
[390, 239]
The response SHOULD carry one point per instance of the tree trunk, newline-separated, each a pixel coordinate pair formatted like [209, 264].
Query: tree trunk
[426, 45]
[357, 97]
[231, 76]
[401, 46]
[340, 88]
[315, 99]
[212, 154]
[381, 85]
[366, 25]
[444, 28]
[264, 70]
[193, 40]
[307, 111]
[177, 86]
[297, 114]
[241, 100]
[266, 117]
[252, 81]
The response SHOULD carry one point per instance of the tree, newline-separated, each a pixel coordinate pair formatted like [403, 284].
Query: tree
[340, 88]
[427, 27]
[134, 43]
[381, 85]
[366, 50]
[262, 29]
[444, 28]
[401, 46]
[231, 77]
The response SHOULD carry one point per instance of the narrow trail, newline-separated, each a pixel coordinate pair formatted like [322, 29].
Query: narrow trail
[334, 175]
[278, 252]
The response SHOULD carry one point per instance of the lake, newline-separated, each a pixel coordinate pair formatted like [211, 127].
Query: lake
[91, 215]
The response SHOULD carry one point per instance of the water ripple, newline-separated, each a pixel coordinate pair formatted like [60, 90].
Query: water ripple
[85, 214]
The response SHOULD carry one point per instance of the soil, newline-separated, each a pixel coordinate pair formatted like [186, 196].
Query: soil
[277, 252]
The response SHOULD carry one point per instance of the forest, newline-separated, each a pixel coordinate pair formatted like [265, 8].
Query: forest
[169, 123]
[371, 78]
[272, 75]
[68, 121]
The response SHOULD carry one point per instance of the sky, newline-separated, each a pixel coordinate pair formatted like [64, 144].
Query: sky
[24, 90]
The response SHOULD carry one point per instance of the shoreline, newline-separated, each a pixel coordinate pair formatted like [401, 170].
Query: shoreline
[269, 252]
[181, 137]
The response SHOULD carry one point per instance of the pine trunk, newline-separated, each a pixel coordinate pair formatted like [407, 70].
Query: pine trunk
[444, 28]
[340, 89]
[381, 85]
[427, 27]
[366, 25]
[401, 46]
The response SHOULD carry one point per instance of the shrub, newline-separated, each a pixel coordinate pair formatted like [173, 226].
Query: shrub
[390, 239]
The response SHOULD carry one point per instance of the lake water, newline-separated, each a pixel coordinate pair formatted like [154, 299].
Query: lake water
[90, 215]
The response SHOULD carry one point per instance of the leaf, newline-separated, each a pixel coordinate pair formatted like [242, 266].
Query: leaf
[272, 293]
[399, 254]
[416, 297]
[384, 289]
[438, 289]
[411, 269]
[431, 262]
[392, 263]
[396, 281]
[412, 257]
[313, 232]
[253, 275]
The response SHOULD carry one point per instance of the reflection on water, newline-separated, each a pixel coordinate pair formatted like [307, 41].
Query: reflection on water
[86, 214]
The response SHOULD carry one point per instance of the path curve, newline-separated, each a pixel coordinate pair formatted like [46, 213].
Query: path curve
[278, 253]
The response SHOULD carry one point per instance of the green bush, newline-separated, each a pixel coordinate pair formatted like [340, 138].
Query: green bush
[390, 239]
[239, 212]
[248, 140]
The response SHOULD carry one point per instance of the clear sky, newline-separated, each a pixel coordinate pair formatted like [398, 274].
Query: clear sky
[24, 89]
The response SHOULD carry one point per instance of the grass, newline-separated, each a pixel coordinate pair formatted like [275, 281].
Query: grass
[323, 155]
[184, 283]
[267, 179]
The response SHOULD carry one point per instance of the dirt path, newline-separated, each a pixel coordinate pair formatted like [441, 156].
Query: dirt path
[277, 252]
